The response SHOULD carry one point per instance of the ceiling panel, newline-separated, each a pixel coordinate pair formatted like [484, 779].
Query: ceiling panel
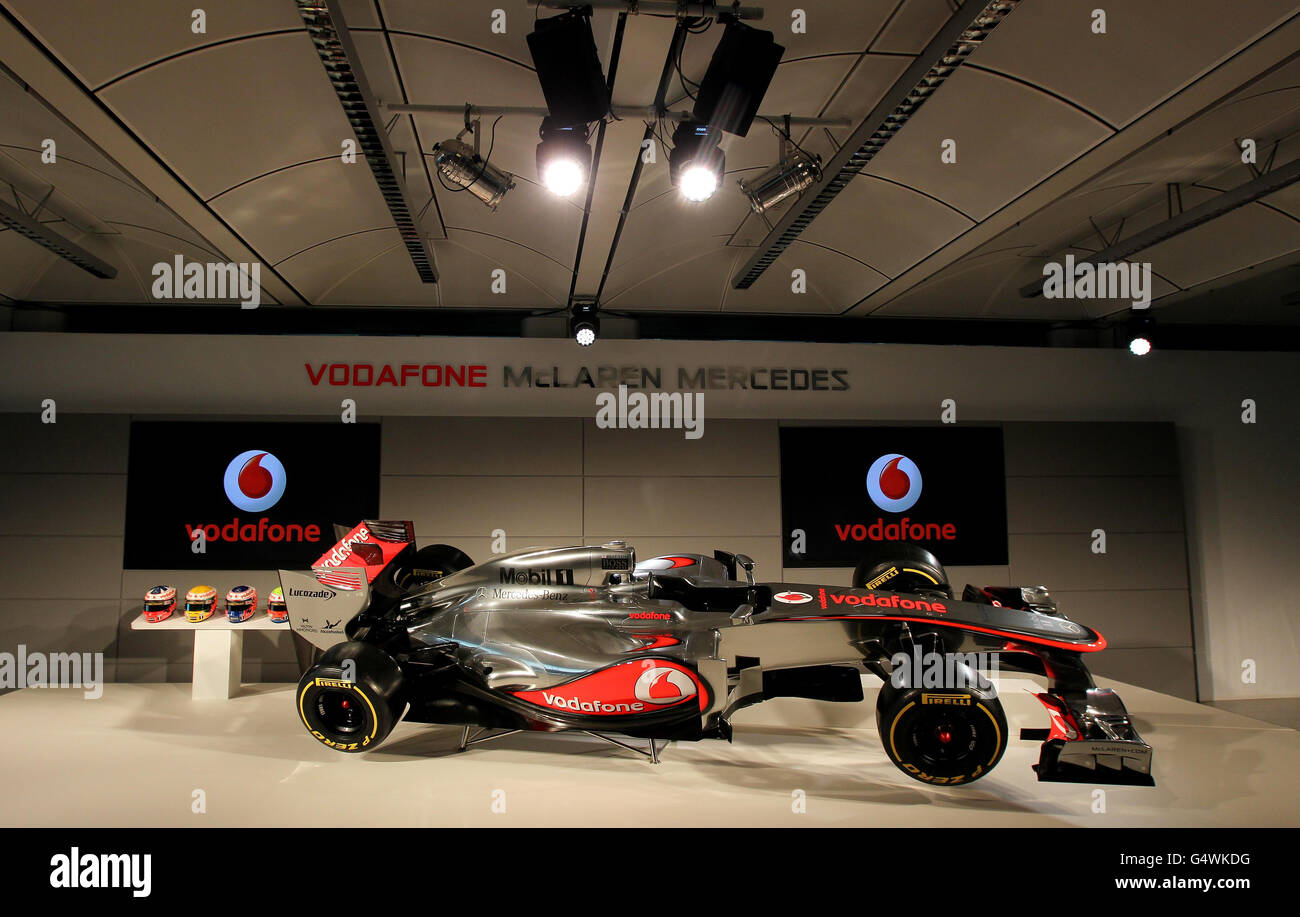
[1151, 48]
[249, 108]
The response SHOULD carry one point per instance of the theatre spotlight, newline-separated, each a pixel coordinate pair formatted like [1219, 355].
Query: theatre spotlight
[695, 164]
[1140, 334]
[584, 324]
[788, 177]
[460, 165]
[563, 158]
[739, 73]
[568, 68]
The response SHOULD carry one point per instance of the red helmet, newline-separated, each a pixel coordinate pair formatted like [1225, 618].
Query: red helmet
[159, 603]
[276, 607]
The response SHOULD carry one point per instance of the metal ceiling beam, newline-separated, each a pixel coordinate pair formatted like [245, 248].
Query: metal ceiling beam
[677, 8]
[47, 238]
[1215, 207]
[329, 33]
[965, 31]
[623, 111]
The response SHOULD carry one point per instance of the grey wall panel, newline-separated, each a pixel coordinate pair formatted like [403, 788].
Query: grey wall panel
[1132, 618]
[1081, 504]
[1066, 562]
[1169, 670]
[479, 548]
[62, 504]
[482, 445]
[671, 506]
[766, 552]
[48, 567]
[93, 443]
[958, 577]
[734, 448]
[477, 505]
[61, 626]
[1089, 449]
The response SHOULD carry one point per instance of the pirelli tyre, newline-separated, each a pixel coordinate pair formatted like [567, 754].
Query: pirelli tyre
[939, 736]
[903, 568]
[351, 699]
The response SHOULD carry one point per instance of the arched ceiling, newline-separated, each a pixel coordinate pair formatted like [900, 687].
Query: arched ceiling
[225, 146]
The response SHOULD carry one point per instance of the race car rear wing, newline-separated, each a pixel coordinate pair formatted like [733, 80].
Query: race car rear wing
[338, 587]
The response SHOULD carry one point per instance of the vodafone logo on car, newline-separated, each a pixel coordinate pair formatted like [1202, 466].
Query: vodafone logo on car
[793, 598]
[662, 685]
[254, 481]
[894, 482]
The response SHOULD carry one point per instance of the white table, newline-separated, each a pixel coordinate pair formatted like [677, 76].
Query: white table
[218, 649]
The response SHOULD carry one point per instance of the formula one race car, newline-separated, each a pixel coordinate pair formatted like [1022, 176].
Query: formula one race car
[671, 648]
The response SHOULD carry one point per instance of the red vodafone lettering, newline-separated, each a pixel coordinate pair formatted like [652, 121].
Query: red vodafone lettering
[428, 375]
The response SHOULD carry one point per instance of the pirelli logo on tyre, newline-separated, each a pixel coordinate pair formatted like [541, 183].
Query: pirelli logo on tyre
[882, 578]
[950, 700]
[332, 683]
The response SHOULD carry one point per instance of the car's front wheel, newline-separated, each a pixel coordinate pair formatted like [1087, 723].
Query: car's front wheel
[944, 737]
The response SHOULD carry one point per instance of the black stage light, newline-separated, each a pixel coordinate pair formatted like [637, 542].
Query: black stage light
[695, 164]
[568, 68]
[584, 324]
[563, 158]
[739, 73]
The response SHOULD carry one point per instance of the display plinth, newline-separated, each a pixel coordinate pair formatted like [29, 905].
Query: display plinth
[218, 650]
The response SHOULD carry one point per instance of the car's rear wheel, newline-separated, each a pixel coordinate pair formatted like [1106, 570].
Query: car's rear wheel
[941, 736]
[351, 699]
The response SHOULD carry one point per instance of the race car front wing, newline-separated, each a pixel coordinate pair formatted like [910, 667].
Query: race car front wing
[1091, 740]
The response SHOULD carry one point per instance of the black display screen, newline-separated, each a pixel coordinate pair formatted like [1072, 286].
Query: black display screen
[854, 490]
[265, 495]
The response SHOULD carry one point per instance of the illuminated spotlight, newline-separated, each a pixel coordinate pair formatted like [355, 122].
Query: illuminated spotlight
[695, 164]
[563, 158]
[584, 324]
[788, 177]
[460, 165]
[1140, 335]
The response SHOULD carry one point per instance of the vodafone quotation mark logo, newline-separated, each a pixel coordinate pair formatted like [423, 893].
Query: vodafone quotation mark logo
[255, 480]
[662, 685]
[894, 482]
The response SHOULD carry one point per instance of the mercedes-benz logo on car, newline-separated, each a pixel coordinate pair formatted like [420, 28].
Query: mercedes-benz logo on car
[662, 685]
[254, 480]
[894, 482]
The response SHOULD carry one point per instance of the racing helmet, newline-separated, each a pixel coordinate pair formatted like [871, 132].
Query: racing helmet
[159, 603]
[241, 603]
[200, 603]
[276, 607]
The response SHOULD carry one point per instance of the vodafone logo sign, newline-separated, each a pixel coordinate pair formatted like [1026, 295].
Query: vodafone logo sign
[662, 685]
[894, 482]
[254, 481]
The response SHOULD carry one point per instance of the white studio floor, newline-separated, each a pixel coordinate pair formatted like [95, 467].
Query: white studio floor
[137, 755]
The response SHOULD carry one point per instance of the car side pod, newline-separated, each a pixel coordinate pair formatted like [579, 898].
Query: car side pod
[1091, 740]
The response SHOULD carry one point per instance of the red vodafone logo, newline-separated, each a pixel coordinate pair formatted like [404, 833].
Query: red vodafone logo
[662, 685]
[793, 598]
[894, 482]
[254, 480]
